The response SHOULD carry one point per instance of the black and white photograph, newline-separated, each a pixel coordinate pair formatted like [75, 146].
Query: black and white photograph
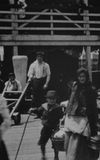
[49, 80]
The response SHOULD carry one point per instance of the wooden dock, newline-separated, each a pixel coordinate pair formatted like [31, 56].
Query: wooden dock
[29, 149]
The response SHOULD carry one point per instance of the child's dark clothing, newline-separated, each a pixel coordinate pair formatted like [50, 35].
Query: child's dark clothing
[50, 116]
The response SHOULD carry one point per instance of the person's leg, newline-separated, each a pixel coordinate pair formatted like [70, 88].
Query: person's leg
[44, 137]
[43, 151]
[35, 88]
[41, 91]
[56, 154]
[3, 151]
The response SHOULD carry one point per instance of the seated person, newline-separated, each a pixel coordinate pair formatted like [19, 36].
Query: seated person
[12, 84]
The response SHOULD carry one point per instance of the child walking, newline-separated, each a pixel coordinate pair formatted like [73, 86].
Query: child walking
[50, 113]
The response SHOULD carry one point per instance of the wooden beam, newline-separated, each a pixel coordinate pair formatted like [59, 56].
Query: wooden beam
[49, 43]
[69, 19]
[51, 24]
[88, 47]
[73, 38]
[32, 19]
[51, 40]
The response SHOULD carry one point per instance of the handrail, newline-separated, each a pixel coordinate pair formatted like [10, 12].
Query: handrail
[13, 91]
[41, 22]
[20, 99]
[48, 13]
[49, 21]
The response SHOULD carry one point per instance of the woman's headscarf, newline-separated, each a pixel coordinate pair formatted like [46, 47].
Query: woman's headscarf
[83, 70]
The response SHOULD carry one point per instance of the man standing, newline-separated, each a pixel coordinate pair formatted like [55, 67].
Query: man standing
[39, 75]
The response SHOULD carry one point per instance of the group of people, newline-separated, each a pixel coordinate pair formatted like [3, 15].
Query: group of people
[80, 115]
[81, 112]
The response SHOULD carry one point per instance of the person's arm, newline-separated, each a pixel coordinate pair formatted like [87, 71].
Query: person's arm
[31, 72]
[48, 72]
[19, 86]
[38, 111]
[5, 87]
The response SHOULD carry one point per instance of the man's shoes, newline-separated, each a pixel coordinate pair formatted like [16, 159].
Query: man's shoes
[56, 158]
[43, 158]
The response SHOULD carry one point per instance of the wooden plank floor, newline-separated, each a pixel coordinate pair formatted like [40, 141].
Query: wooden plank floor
[29, 149]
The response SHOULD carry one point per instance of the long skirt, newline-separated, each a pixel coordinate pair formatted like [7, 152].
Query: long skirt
[3, 151]
[76, 148]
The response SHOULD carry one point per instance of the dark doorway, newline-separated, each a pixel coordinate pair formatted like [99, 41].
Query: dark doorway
[63, 70]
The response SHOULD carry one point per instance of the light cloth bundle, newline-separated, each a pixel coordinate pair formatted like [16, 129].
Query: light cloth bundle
[77, 124]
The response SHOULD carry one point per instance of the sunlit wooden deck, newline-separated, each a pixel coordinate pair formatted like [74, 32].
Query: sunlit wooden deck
[29, 149]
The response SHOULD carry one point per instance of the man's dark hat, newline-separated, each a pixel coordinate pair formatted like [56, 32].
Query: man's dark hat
[51, 94]
[11, 74]
[40, 53]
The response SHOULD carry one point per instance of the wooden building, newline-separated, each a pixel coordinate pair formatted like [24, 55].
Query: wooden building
[54, 26]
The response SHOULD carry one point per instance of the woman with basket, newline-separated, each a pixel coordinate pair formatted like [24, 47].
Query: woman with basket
[81, 119]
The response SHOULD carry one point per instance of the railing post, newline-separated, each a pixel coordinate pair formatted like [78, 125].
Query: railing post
[88, 48]
[51, 24]
[14, 26]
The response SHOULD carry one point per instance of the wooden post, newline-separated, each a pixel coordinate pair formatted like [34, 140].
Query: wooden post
[14, 25]
[51, 24]
[88, 49]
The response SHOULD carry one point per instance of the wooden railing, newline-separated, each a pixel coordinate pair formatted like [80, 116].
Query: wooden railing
[49, 22]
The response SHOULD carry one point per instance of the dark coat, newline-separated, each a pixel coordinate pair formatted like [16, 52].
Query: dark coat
[50, 115]
[85, 96]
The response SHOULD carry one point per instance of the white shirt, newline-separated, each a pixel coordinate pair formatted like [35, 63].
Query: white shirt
[16, 86]
[37, 70]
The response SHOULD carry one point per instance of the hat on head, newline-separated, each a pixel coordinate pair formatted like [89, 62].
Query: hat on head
[11, 74]
[82, 70]
[40, 53]
[51, 94]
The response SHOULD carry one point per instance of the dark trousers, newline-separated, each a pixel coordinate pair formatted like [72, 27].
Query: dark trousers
[45, 135]
[38, 91]
[3, 151]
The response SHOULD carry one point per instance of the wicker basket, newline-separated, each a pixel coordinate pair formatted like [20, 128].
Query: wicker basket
[58, 143]
[94, 143]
